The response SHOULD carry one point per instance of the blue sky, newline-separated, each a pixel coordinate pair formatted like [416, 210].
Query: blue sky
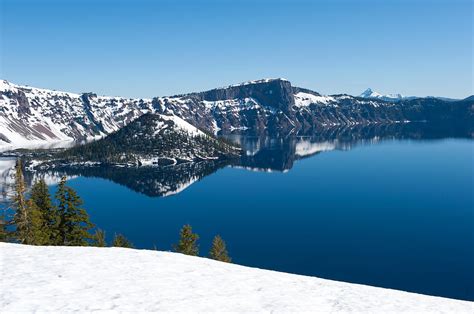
[151, 48]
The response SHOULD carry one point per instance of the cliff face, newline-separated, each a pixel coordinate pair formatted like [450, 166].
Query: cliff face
[32, 115]
[276, 94]
[274, 106]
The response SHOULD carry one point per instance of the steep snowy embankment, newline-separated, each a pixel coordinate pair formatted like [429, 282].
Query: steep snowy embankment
[63, 279]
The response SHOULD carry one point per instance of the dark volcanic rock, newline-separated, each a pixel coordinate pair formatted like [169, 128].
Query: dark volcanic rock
[275, 93]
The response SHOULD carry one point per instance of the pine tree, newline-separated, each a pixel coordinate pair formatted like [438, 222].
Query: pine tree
[99, 238]
[121, 241]
[219, 250]
[42, 199]
[27, 218]
[187, 242]
[20, 218]
[74, 224]
[39, 235]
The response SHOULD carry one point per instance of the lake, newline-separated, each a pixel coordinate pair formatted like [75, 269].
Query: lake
[389, 208]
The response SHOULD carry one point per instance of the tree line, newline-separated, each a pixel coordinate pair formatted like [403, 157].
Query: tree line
[36, 218]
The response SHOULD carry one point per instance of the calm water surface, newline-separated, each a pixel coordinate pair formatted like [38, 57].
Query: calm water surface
[396, 213]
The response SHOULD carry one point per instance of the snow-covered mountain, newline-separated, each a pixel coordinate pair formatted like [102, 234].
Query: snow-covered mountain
[38, 116]
[85, 279]
[31, 116]
[369, 93]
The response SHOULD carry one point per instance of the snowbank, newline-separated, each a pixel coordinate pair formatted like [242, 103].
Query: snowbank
[63, 279]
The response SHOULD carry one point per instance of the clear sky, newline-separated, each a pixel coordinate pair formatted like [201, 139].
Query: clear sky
[153, 48]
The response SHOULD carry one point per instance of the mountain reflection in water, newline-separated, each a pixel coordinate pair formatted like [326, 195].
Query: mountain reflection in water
[260, 153]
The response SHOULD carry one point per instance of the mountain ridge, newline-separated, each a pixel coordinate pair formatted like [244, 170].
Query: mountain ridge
[30, 115]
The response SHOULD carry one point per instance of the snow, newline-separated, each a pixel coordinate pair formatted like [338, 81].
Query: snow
[215, 128]
[306, 99]
[56, 117]
[233, 105]
[34, 91]
[369, 93]
[6, 86]
[84, 279]
[183, 125]
[306, 147]
[180, 187]
[265, 80]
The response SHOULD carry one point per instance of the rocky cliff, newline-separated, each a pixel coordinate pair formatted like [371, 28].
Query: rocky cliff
[272, 106]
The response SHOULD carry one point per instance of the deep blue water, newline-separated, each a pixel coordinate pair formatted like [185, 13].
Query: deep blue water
[397, 214]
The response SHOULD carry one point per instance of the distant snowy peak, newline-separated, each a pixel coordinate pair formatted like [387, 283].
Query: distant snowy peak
[369, 93]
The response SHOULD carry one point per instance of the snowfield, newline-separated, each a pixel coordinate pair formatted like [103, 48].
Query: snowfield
[65, 279]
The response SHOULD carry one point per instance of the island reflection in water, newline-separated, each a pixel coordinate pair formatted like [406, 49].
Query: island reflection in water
[260, 153]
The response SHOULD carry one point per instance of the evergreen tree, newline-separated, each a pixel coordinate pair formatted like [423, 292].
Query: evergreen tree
[42, 199]
[27, 218]
[19, 205]
[74, 224]
[121, 241]
[39, 235]
[187, 242]
[219, 250]
[99, 238]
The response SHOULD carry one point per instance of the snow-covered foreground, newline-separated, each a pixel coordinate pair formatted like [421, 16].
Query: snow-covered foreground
[63, 279]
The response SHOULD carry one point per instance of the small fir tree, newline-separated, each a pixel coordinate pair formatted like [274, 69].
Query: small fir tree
[187, 242]
[38, 235]
[42, 199]
[121, 241]
[99, 238]
[74, 224]
[219, 250]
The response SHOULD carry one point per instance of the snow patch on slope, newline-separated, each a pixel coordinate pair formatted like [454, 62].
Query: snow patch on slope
[66, 279]
[183, 125]
[306, 99]
[35, 116]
